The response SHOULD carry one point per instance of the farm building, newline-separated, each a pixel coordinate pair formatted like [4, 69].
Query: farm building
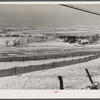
[36, 38]
[30, 37]
[84, 41]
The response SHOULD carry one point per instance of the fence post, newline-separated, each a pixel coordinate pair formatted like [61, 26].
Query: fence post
[72, 54]
[85, 59]
[64, 62]
[44, 57]
[72, 61]
[53, 64]
[89, 75]
[34, 57]
[55, 57]
[15, 70]
[90, 57]
[22, 58]
[61, 82]
[43, 65]
[30, 68]
[80, 54]
[10, 59]
[79, 60]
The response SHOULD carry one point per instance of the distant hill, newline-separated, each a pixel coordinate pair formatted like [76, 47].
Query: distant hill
[75, 30]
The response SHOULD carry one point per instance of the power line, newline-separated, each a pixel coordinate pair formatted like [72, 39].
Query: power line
[81, 9]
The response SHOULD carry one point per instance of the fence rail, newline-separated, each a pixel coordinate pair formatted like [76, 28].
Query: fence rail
[43, 57]
[31, 68]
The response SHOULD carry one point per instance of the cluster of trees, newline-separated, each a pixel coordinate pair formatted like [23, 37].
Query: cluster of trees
[92, 39]
[15, 43]
[95, 38]
[15, 35]
[62, 36]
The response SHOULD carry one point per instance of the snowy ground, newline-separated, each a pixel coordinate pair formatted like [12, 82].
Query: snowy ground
[47, 47]
[6, 65]
[74, 77]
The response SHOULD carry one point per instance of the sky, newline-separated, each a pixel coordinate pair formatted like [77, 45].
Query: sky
[48, 15]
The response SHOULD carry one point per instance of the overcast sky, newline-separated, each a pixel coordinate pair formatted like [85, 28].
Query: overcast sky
[47, 15]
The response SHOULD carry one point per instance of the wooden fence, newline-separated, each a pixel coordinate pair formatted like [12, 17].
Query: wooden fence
[19, 70]
[43, 57]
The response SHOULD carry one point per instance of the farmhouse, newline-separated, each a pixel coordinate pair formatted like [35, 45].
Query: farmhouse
[84, 41]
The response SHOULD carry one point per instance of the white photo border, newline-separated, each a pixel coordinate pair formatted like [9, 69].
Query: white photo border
[49, 94]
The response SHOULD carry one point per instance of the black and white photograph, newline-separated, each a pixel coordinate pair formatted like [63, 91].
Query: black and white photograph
[50, 46]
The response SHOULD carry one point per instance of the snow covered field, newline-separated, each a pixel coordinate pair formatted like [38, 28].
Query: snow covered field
[6, 65]
[74, 77]
[47, 47]
[3, 39]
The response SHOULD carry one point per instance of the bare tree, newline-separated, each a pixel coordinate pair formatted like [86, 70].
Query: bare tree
[7, 43]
